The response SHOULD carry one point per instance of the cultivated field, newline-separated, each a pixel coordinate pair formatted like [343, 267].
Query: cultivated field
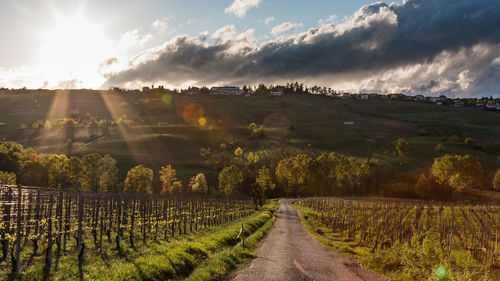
[155, 129]
[47, 234]
[410, 240]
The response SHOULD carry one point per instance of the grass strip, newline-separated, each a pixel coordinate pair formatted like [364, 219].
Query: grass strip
[223, 262]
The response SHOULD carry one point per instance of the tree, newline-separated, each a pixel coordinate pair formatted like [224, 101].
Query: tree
[91, 172]
[34, 173]
[139, 180]
[496, 181]
[295, 174]
[7, 178]
[168, 177]
[261, 90]
[199, 184]
[11, 156]
[402, 147]
[427, 187]
[58, 172]
[108, 174]
[457, 171]
[230, 179]
[75, 172]
[265, 181]
[177, 188]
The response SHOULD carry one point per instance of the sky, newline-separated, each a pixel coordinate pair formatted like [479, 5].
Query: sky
[429, 47]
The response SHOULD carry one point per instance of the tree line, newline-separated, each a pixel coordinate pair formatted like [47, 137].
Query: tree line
[329, 174]
[91, 173]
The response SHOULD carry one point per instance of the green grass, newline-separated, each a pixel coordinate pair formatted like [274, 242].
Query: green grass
[201, 254]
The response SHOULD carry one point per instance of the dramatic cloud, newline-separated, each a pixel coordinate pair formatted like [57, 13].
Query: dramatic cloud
[286, 26]
[421, 46]
[240, 7]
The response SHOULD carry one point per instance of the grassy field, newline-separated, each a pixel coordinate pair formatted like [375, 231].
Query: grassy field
[156, 130]
[207, 254]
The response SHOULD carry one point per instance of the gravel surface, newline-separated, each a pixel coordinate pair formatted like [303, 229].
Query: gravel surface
[290, 253]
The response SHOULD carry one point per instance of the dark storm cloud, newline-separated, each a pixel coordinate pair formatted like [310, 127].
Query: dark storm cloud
[378, 38]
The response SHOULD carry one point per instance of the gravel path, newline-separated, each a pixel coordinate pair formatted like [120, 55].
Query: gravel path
[289, 253]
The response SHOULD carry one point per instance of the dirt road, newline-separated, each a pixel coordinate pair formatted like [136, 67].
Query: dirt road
[289, 253]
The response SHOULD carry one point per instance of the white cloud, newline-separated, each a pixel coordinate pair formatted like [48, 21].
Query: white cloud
[161, 24]
[269, 20]
[286, 26]
[240, 7]
[330, 19]
[224, 33]
[132, 40]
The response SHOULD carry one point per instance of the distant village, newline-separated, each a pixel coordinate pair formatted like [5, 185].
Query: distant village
[487, 103]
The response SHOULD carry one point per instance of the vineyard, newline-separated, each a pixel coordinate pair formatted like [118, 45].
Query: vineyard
[39, 222]
[380, 224]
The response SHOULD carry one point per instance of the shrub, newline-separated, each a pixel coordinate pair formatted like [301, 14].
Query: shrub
[469, 142]
[7, 178]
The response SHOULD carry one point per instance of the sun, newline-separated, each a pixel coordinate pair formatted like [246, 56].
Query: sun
[74, 48]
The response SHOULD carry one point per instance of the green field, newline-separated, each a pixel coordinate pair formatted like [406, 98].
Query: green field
[293, 124]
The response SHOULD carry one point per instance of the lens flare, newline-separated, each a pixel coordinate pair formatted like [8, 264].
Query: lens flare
[166, 98]
[202, 121]
[441, 272]
[190, 112]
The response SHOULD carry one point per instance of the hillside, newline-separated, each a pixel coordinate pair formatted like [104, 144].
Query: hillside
[155, 129]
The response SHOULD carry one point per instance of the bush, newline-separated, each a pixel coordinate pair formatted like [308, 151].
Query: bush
[469, 142]
[7, 178]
